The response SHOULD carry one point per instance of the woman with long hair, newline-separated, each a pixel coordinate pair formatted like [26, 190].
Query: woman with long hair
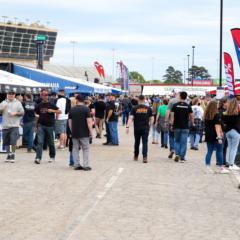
[213, 134]
[231, 120]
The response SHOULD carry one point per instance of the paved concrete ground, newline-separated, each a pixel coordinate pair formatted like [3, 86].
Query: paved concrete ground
[119, 199]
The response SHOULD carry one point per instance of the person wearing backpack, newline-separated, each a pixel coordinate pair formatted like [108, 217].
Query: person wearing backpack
[64, 104]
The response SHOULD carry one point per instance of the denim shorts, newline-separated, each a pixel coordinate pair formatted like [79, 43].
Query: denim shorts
[60, 126]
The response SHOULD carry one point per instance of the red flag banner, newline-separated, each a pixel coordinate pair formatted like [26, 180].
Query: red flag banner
[100, 69]
[228, 63]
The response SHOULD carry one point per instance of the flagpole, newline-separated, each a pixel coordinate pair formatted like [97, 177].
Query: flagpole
[221, 43]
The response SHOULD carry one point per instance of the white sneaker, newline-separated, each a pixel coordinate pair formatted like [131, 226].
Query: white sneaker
[234, 167]
[209, 170]
[51, 160]
[223, 171]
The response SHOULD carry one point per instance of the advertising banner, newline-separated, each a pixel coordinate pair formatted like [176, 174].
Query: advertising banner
[236, 39]
[228, 63]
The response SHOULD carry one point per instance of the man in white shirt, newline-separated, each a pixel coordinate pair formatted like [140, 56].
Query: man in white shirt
[64, 104]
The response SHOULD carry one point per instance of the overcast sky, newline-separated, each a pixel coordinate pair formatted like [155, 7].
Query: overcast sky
[147, 35]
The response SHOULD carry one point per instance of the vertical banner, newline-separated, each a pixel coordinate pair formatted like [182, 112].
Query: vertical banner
[124, 76]
[228, 63]
[236, 39]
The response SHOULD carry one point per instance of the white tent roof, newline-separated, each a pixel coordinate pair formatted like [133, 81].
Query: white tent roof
[7, 78]
[98, 88]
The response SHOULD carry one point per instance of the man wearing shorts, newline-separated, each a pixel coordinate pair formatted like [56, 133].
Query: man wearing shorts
[64, 105]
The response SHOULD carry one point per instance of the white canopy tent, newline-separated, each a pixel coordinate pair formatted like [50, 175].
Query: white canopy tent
[7, 78]
[168, 89]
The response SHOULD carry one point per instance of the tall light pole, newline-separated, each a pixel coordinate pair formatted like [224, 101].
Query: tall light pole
[73, 51]
[193, 47]
[188, 56]
[221, 43]
[113, 65]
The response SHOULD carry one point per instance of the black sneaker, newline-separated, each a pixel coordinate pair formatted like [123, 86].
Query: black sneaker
[166, 146]
[135, 158]
[8, 158]
[86, 168]
[78, 168]
[176, 159]
[37, 161]
[171, 154]
[145, 160]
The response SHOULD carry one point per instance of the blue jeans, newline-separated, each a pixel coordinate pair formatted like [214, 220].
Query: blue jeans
[155, 134]
[194, 139]
[113, 128]
[43, 132]
[164, 138]
[28, 132]
[233, 138]
[108, 132]
[180, 137]
[211, 146]
[138, 135]
[171, 141]
[125, 116]
[71, 162]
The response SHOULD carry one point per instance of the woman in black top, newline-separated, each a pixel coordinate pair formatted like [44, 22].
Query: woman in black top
[214, 134]
[231, 120]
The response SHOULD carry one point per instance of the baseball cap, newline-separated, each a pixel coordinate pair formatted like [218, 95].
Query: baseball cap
[11, 92]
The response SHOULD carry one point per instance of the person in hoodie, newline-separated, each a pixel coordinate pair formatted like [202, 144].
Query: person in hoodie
[12, 112]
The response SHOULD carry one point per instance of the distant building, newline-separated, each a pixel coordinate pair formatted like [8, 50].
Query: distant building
[17, 41]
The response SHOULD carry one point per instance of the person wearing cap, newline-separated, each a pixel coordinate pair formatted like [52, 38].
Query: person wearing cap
[12, 112]
[80, 124]
[44, 126]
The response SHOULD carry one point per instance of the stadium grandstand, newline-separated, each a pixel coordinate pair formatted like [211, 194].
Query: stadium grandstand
[18, 45]
[17, 41]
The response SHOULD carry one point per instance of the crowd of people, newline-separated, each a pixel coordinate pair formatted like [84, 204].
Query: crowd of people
[172, 120]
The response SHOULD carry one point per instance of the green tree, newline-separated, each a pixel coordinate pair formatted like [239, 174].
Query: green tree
[199, 73]
[155, 81]
[137, 77]
[172, 75]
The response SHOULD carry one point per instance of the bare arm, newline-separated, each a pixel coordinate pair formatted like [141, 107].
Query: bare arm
[130, 120]
[151, 121]
[89, 123]
[172, 118]
[192, 118]
[109, 114]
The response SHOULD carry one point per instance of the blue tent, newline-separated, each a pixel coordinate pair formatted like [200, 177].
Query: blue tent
[54, 81]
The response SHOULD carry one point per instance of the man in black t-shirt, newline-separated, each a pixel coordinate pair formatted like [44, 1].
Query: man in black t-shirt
[100, 107]
[80, 124]
[112, 122]
[142, 118]
[28, 121]
[45, 121]
[180, 114]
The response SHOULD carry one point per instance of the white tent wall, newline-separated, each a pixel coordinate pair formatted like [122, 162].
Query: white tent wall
[168, 89]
